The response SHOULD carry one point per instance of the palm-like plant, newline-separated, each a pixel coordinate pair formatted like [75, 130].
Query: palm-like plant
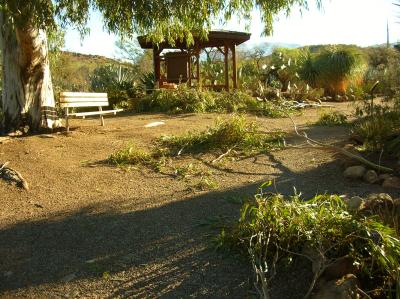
[334, 69]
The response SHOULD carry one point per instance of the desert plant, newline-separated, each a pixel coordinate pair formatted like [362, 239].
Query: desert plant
[334, 69]
[148, 81]
[272, 227]
[338, 68]
[284, 66]
[118, 81]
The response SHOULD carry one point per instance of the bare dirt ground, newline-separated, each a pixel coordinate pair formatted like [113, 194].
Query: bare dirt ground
[86, 229]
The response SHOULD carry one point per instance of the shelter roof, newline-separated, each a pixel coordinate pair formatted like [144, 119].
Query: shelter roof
[215, 39]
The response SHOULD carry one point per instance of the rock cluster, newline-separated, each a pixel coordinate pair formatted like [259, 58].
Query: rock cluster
[360, 172]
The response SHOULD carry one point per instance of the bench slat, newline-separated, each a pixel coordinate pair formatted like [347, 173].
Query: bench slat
[71, 100]
[84, 104]
[83, 95]
[95, 112]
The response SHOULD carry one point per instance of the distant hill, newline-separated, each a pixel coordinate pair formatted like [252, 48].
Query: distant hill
[71, 71]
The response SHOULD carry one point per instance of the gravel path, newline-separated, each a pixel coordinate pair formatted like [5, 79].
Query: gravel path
[89, 230]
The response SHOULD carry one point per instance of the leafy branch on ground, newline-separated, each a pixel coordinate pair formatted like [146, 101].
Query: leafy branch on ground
[234, 136]
[273, 227]
[235, 133]
[332, 118]
[190, 100]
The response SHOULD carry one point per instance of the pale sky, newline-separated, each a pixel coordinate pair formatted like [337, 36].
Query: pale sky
[360, 22]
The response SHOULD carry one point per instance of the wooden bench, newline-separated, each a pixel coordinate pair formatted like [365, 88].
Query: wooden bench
[85, 99]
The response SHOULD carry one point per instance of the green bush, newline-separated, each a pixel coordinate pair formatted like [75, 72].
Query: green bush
[273, 227]
[332, 118]
[384, 66]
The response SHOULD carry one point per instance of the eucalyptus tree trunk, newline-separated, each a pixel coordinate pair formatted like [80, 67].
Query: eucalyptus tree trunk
[27, 97]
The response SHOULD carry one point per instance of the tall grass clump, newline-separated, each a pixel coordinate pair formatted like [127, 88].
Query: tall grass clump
[274, 228]
[235, 133]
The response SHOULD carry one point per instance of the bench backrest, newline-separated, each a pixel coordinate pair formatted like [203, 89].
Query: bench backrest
[83, 99]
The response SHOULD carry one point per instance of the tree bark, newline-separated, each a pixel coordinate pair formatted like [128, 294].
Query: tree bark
[27, 97]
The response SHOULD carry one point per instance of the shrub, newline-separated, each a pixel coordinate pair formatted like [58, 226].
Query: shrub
[190, 100]
[333, 118]
[118, 82]
[384, 66]
[273, 227]
[379, 128]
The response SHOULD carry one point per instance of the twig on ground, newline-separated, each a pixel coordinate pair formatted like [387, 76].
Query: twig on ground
[4, 165]
[223, 155]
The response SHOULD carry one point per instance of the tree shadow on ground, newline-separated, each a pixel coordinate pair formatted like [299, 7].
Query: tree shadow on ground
[108, 251]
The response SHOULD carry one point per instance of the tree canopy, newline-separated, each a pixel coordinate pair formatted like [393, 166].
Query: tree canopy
[161, 19]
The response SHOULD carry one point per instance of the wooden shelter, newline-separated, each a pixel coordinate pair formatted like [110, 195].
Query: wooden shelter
[184, 66]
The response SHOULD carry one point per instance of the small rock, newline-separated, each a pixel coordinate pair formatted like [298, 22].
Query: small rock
[355, 203]
[15, 134]
[392, 182]
[26, 129]
[354, 172]
[343, 288]
[371, 177]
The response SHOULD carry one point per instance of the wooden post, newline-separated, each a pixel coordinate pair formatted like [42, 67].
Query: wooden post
[198, 70]
[157, 68]
[190, 68]
[226, 57]
[234, 67]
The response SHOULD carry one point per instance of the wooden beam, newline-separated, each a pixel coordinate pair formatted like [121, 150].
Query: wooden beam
[226, 57]
[234, 67]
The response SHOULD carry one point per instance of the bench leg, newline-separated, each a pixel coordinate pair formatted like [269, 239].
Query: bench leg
[66, 119]
[101, 116]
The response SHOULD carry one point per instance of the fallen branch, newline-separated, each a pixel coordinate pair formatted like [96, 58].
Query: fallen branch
[11, 174]
[340, 150]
